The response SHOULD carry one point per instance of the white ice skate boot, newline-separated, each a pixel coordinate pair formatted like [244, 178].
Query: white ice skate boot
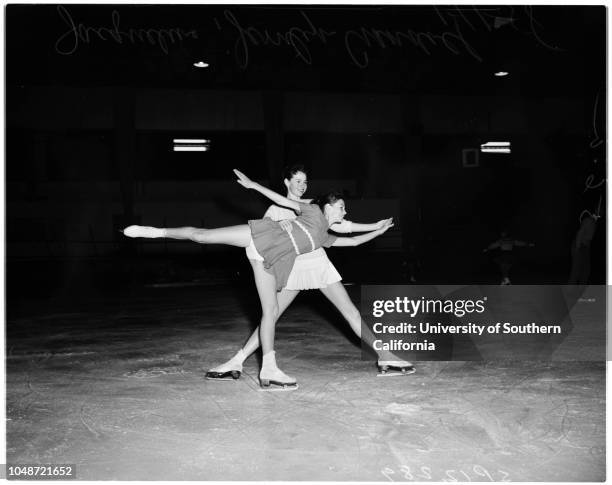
[144, 231]
[230, 370]
[271, 375]
[388, 368]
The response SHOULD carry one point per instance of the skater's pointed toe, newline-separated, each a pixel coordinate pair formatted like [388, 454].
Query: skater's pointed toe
[144, 231]
[131, 231]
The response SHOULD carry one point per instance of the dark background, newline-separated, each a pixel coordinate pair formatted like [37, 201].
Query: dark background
[95, 95]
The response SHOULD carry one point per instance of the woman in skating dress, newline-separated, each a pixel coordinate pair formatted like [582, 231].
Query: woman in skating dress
[312, 270]
[277, 250]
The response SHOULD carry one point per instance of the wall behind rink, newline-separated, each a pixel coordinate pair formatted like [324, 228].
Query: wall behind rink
[74, 170]
[88, 108]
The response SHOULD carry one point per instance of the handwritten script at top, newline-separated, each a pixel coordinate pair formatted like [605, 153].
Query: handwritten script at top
[358, 43]
[78, 34]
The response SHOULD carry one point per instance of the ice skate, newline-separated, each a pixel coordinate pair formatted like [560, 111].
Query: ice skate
[271, 378]
[144, 231]
[229, 371]
[389, 368]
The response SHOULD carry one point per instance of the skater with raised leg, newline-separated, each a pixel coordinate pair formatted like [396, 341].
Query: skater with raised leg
[277, 248]
[312, 270]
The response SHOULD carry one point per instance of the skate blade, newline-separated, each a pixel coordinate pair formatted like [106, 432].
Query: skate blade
[268, 385]
[393, 373]
[223, 376]
[274, 388]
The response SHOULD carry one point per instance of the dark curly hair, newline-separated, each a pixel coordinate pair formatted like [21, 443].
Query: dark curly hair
[290, 170]
[329, 198]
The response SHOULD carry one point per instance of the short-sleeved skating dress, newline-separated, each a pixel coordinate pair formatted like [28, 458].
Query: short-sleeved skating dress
[311, 270]
[279, 249]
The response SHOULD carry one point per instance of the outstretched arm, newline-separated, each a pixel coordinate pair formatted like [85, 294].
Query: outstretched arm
[494, 245]
[363, 238]
[270, 194]
[523, 243]
[348, 226]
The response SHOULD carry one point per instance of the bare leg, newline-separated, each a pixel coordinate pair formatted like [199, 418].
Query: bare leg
[233, 235]
[266, 288]
[336, 293]
[270, 373]
[284, 299]
[234, 365]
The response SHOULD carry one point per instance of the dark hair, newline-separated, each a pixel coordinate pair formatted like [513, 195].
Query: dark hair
[290, 170]
[329, 198]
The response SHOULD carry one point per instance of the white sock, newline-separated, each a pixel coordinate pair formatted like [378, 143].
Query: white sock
[269, 362]
[239, 358]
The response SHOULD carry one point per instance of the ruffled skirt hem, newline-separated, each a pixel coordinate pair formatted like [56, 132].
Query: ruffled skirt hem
[312, 271]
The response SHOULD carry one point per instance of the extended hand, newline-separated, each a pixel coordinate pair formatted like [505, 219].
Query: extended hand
[387, 224]
[381, 224]
[286, 225]
[243, 180]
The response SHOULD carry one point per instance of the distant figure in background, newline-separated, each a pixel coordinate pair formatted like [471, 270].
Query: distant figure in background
[506, 257]
[581, 251]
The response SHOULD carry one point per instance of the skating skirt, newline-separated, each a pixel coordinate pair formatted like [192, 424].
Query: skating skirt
[312, 271]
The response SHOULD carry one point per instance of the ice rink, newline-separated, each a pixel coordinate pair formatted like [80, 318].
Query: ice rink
[116, 386]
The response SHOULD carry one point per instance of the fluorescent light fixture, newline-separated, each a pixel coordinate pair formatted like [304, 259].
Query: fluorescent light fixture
[191, 144]
[190, 140]
[200, 64]
[194, 148]
[495, 147]
[495, 150]
[501, 73]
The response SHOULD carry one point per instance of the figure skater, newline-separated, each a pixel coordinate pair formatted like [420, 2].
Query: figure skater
[506, 258]
[312, 270]
[277, 248]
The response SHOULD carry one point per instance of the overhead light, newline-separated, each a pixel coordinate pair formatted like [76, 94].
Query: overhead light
[200, 64]
[501, 73]
[495, 147]
[191, 144]
[193, 148]
[191, 140]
